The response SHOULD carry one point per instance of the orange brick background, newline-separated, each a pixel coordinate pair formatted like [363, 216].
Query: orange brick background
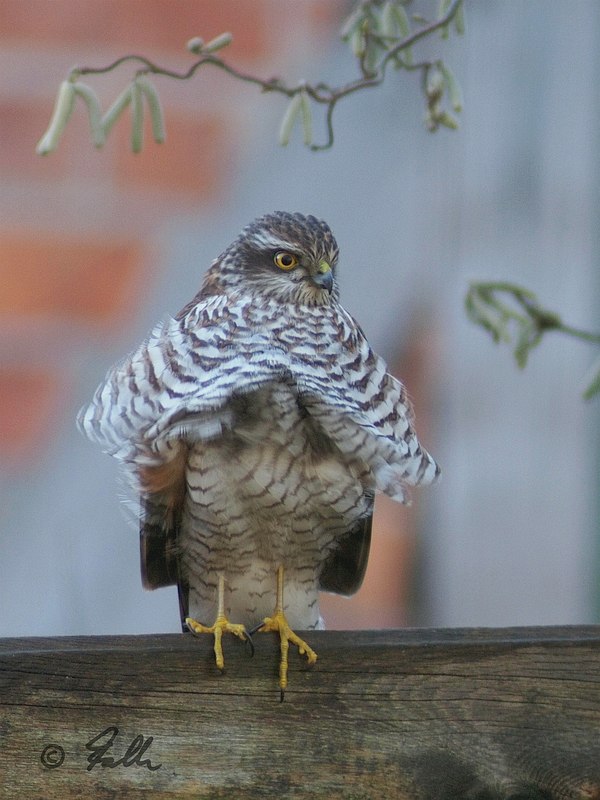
[79, 251]
[72, 243]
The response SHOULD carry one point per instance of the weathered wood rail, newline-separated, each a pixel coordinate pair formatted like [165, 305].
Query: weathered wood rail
[479, 714]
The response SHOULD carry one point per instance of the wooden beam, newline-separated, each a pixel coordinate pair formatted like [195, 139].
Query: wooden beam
[427, 715]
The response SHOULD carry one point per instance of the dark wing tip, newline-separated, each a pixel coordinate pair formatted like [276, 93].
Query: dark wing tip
[344, 570]
[158, 561]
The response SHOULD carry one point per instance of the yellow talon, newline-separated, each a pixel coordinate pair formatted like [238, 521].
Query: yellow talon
[278, 623]
[221, 625]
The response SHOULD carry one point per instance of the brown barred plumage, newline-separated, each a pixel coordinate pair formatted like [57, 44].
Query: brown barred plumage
[257, 427]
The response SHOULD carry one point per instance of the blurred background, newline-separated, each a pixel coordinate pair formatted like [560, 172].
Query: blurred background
[96, 246]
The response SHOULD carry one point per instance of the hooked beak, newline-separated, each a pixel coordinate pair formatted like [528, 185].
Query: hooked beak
[324, 276]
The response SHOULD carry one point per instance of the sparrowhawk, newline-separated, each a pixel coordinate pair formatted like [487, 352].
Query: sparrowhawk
[256, 428]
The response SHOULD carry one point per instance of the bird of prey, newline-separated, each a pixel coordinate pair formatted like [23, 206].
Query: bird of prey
[256, 428]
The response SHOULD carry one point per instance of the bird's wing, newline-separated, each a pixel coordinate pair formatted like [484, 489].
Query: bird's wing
[161, 499]
[344, 570]
[159, 555]
[178, 384]
[380, 436]
[366, 413]
[175, 389]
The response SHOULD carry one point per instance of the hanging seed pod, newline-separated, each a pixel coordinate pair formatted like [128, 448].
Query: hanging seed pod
[195, 45]
[218, 43]
[63, 108]
[358, 42]
[90, 98]
[156, 113]
[289, 119]
[307, 127]
[459, 19]
[352, 22]
[137, 118]
[116, 109]
[434, 87]
[454, 91]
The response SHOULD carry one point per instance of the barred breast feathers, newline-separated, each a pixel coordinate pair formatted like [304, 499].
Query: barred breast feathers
[180, 377]
[179, 382]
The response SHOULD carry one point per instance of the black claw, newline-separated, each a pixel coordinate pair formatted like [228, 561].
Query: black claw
[281, 695]
[255, 629]
[249, 643]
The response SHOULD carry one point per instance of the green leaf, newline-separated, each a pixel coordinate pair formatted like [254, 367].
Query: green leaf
[479, 312]
[593, 387]
[527, 338]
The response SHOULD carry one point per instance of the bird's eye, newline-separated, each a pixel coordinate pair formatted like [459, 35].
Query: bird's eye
[285, 260]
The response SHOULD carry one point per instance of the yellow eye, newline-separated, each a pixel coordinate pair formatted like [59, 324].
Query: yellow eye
[285, 260]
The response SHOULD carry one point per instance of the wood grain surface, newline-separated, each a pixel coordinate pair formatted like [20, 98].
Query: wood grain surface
[427, 715]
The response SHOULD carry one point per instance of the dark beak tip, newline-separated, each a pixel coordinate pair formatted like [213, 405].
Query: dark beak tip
[324, 281]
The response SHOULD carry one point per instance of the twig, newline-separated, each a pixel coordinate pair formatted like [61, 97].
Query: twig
[485, 308]
[325, 94]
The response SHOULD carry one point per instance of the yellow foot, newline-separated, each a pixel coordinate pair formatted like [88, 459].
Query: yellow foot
[221, 625]
[279, 623]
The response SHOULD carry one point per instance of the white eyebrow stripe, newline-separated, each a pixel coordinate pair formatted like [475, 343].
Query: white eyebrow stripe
[264, 239]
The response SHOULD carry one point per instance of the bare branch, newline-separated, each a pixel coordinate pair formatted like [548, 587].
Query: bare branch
[379, 35]
[526, 318]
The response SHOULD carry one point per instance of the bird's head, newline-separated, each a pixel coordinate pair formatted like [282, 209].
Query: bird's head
[288, 257]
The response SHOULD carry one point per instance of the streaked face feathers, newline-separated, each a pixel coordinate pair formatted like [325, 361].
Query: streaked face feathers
[283, 256]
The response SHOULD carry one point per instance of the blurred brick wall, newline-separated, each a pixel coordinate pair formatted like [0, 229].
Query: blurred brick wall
[79, 249]
[76, 227]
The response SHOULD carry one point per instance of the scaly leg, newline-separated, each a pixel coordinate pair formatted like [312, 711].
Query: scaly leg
[221, 625]
[279, 623]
